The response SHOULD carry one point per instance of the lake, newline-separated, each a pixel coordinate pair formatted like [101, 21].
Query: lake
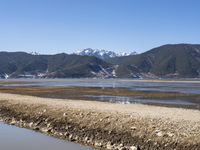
[182, 86]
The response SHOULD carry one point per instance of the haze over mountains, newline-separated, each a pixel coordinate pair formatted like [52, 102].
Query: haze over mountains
[167, 61]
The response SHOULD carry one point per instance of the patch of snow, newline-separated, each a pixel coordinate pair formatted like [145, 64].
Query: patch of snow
[101, 53]
[6, 76]
[34, 53]
[94, 73]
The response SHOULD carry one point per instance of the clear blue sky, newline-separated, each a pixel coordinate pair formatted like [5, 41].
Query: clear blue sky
[54, 26]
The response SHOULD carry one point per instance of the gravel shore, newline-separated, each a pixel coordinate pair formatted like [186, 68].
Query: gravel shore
[105, 125]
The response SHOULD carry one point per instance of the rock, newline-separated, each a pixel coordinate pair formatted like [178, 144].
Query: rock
[98, 144]
[86, 139]
[133, 128]
[49, 125]
[122, 148]
[68, 127]
[71, 137]
[36, 128]
[66, 134]
[133, 148]
[46, 130]
[64, 114]
[30, 124]
[13, 122]
[109, 145]
[76, 138]
[159, 133]
[170, 134]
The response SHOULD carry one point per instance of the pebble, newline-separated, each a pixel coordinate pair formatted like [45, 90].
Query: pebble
[98, 144]
[170, 134]
[133, 148]
[13, 122]
[30, 124]
[64, 114]
[133, 128]
[159, 133]
[109, 145]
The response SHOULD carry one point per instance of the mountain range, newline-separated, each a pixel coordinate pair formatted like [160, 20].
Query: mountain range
[102, 54]
[167, 61]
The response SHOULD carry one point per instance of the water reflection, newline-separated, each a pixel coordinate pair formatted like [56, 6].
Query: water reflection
[183, 87]
[137, 100]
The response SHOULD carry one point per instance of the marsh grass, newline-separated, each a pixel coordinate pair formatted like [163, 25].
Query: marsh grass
[14, 82]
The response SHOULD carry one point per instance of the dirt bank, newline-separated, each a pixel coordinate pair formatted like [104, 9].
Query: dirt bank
[105, 125]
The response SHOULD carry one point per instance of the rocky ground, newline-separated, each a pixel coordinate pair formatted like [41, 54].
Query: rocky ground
[105, 125]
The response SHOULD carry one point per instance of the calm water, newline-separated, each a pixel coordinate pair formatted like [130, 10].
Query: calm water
[133, 100]
[193, 87]
[14, 138]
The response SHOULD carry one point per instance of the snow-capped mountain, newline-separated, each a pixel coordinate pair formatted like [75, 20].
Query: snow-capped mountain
[102, 54]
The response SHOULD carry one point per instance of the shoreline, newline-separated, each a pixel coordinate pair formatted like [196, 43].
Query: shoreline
[104, 125]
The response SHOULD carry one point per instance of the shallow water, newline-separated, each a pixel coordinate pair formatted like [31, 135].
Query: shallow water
[14, 138]
[135, 100]
[181, 86]
[192, 86]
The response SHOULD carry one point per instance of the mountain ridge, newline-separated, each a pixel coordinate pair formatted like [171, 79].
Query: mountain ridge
[170, 60]
[101, 53]
[166, 61]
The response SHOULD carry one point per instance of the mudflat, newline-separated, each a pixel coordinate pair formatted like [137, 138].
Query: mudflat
[105, 125]
[95, 94]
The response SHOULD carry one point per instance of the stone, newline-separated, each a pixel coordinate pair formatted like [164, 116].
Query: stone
[30, 124]
[86, 139]
[159, 133]
[36, 128]
[46, 130]
[13, 122]
[109, 145]
[48, 125]
[98, 144]
[133, 128]
[66, 134]
[71, 137]
[170, 134]
[133, 148]
[122, 148]
[64, 114]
